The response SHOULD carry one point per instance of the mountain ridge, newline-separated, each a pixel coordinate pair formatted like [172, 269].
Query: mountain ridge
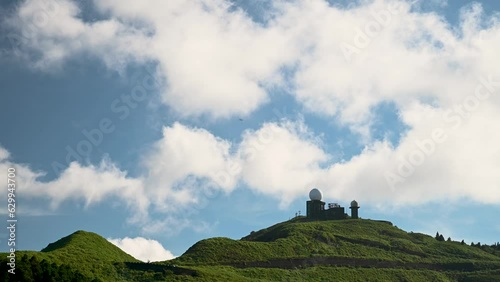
[294, 250]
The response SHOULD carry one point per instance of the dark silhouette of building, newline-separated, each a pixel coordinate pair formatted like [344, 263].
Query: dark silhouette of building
[315, 208]
[354, 209]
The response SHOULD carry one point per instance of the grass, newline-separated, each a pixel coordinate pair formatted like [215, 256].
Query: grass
[409, 256]
[88, 252]
[347, 238]
[295, 250]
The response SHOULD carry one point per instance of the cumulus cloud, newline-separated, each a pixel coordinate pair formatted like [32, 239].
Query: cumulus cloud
[445, 157]
[90, 183]
[4, 154]
[183, 166]
[94, 184]
[217, 61]
[385, 52]
[281, 160]
[182, 169]
[143, 249]
[187, 166]
[46, 33]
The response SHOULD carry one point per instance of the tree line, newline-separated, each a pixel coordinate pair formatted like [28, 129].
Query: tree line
[495, 246]
[31, 269]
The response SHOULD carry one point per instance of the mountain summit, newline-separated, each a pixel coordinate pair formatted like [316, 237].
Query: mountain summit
[300, 249]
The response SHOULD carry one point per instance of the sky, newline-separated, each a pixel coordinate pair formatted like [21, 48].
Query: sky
[160, 123]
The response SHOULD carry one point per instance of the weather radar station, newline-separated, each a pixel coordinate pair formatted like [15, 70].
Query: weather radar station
[315, 208]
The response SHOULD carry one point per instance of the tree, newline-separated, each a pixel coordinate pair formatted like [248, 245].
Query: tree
[47, 271]
[23, 270]
[437, 236]
[463, 243]
[35, 268]
[449, 239]
[441, 238]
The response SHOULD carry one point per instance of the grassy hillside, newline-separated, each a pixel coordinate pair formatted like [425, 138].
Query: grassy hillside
[89, 252]
[88, 245]
[85, 252]
[349, 250]
[295, 250]
[367, 239]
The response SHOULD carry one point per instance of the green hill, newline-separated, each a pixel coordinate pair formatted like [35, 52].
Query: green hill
[349, 250]
[295, 250]
[342, 238]
[85, 253]
[88, 245]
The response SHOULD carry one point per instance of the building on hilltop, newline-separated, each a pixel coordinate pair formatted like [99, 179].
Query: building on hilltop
[354, 209]
[315, 208]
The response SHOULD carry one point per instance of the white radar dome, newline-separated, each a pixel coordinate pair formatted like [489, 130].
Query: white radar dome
[315, 195]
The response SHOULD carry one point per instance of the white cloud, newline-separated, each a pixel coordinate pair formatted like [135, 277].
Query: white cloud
[90, 183]
[4, 154]
[143, 249]
[457, 161]
[281, 160]
[398, 56]
[184, 164]
[46, 33]
[434, 162]
[94, 184]
[218, 63]
[184, 168]
[284, 160]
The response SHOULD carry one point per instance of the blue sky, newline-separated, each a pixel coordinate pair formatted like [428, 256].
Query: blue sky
[165, 124]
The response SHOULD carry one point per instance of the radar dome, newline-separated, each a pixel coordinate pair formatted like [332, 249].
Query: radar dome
[354, 203]
[315, 195]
